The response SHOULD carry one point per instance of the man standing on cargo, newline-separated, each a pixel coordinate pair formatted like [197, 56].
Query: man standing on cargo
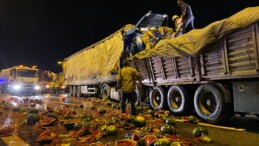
[126, 83]
[187, 17]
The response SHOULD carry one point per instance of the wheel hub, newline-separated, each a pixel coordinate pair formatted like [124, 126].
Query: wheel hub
[177, 99]
[208, 102]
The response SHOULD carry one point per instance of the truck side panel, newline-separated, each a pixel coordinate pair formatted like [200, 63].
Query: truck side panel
[143, 68]
[212, 64]
[165, 71]
[246, 97]
[235, 56]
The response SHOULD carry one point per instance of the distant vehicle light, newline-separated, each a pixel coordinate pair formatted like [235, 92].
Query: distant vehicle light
[34, 66]
[3, 81]
[37, 87]
[47, 86]
[17, 87]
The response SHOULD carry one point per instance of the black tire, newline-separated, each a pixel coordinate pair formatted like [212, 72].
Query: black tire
[178, 100]
[74, 91]
[105, 91]
[70, 90]
[157, 99]
[209, 103]
[139, 94]
[78, 91]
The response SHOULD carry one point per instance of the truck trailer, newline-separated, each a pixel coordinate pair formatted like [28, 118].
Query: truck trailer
[93, 70]
[213, 71]
[19, 80]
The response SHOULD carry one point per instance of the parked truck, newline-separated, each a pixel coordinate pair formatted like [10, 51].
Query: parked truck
[19, 80]
[213, 71]
[48, 80]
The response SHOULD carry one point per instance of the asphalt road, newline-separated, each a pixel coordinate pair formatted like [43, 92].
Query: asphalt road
[238, 131]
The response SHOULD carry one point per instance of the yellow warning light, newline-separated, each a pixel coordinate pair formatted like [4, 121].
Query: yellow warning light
[34, 66]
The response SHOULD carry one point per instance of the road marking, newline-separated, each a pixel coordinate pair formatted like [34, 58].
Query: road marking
[221, 127]
[215, 126]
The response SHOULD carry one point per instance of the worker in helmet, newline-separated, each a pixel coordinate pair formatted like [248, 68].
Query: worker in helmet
[165, 32]
[126, 83]
[52, 83]
[128, 43]
[186, 17]
[52, 87]
[177, 25]
[56, 86]
[154, 34]
[148, 38]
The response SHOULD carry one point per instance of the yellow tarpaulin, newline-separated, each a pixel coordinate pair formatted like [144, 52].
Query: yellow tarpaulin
[98, 60]
[195, 41]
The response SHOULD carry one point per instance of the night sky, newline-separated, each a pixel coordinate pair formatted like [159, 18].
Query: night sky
[42, 32]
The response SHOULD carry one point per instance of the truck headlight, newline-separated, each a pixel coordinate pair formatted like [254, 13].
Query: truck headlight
[37, 87]
[47, 86]
[17, 87]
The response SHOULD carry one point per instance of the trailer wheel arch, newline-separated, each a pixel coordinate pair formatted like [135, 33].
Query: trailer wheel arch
[157, 102]
[105, 91]
[228, 99]
[178, 105]
[227, 96]
[207, 94]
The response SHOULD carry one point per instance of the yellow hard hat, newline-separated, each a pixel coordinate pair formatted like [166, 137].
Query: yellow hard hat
[152, 28]
[175, 17]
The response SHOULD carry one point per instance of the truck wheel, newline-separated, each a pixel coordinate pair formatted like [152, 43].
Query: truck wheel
[105, 91]
[70, 91]
[74, 91]
[139, 93]
[178, 100]
[209, 103]
[157, 99]
[78, 91]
